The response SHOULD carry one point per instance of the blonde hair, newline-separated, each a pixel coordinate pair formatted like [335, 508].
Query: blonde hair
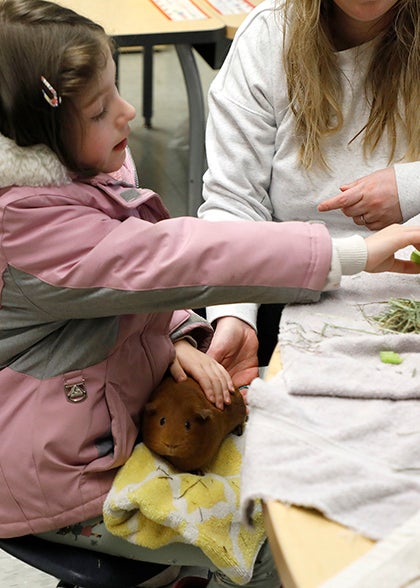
[392, 83]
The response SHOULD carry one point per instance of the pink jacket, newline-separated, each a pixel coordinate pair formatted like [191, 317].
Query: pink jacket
[91, 274]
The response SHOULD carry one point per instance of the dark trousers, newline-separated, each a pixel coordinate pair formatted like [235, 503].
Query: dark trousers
[268, 320]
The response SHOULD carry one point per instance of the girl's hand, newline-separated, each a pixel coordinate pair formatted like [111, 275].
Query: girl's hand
[382, 245]
[372, 200]
[212, 377]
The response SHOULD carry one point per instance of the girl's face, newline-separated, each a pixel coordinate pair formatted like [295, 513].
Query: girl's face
[101, 136]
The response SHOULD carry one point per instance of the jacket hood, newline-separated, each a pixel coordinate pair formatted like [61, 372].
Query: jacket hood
[30, 166]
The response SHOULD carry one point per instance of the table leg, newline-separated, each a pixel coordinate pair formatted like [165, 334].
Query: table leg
[148, 85]
[197, 124]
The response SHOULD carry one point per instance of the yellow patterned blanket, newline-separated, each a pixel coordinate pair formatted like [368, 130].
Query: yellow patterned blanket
[152, 504]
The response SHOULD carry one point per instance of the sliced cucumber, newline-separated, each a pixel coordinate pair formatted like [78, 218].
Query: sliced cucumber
[390, 357]
[415, 256]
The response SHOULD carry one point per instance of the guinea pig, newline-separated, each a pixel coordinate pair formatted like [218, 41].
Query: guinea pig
[183, 426]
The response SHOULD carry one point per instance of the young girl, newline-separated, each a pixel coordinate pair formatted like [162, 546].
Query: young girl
[321, 124]
[94, 277]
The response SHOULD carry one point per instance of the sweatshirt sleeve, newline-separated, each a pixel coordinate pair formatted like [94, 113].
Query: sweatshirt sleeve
[349, 256]
[246, 312]
[241, 128]
[408, 182]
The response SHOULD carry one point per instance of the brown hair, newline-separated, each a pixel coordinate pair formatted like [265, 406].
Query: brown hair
[392, 83]
[40, 38]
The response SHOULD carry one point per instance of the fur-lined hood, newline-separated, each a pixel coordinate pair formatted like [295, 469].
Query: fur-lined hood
[30, 166]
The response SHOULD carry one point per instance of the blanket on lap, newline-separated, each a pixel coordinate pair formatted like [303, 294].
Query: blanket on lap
[152, 504]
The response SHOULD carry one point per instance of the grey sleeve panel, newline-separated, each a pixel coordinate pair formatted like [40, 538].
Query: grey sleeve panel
[29, 334]
[196, 329]
[81, 343]
[36, 316]
[60, 303]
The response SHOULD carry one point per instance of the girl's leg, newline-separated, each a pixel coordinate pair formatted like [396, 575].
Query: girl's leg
[265, 573]
[94, 535]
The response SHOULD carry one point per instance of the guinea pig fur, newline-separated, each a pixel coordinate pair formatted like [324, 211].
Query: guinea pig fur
[185, 428]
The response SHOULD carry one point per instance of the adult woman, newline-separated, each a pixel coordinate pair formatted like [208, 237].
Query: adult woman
[314, 110]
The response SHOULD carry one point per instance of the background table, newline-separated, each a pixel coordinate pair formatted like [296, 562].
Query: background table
[139, 23]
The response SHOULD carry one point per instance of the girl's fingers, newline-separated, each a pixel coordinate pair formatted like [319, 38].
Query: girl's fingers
[177, 372]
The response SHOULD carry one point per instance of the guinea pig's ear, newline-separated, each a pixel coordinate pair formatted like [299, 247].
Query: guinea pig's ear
[150, 409]
[204, 414]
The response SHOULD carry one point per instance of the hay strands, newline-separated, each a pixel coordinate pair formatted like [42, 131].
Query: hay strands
[401, 316]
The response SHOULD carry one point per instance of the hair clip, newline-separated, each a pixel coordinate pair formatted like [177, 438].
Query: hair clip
[52, 98]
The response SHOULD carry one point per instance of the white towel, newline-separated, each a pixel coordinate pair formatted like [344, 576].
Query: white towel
[333, 347]
[356, 461]
[337, 429]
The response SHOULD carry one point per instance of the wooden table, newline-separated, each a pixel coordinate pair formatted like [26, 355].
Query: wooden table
[231, 21]
[133, 22]
[308, 548]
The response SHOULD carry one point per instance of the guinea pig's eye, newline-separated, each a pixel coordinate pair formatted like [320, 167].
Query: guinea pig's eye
[162, 421]
[187, 425]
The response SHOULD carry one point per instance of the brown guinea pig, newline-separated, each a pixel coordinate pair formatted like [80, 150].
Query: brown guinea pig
[185, 428]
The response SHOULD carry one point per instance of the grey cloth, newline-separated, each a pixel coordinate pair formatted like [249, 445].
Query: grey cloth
[332, 348]
[336, 429]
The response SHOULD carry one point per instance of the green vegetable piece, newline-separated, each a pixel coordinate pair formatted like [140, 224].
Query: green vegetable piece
[415, 256]
[390, 357]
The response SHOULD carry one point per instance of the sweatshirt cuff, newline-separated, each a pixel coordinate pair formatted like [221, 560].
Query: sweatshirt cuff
[247, 312]
[349, 256]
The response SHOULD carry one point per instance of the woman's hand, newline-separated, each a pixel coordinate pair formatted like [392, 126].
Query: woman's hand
[235, 346]
[212, 377]
[382, 245]
[372, 200]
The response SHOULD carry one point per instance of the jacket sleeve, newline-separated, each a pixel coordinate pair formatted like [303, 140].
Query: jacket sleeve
[242, 123]
[75, 261]
[191, 326]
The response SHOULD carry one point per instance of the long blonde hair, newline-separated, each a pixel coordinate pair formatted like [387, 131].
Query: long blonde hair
[392, 82]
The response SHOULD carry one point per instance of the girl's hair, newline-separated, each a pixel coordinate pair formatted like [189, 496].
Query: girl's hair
[392, 84]
[40, 38]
